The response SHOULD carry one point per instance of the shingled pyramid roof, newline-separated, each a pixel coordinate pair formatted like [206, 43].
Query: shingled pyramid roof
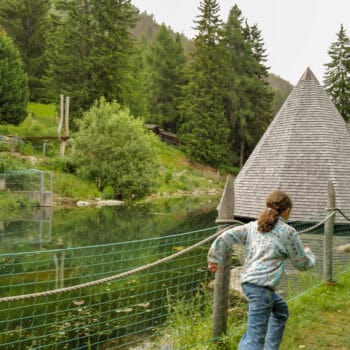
[306, 145]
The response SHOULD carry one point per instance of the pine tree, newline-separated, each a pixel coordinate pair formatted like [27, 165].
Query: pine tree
[26, 21]
[260, 93]
[254, 37]
[166, 61]
[238, 58]
[248, 99]
[204, 131]
[138, 99]
[337, 75]
[13, 83]
[90, 46]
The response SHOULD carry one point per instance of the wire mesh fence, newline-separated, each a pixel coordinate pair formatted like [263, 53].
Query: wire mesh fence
[294, 282]
[112, 315]
[25, 188]
[124, 313]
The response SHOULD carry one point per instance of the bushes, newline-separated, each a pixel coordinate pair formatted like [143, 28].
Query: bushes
[25, 148]
[61, 164]
[114, 149]
[108, 192]
[11, 201]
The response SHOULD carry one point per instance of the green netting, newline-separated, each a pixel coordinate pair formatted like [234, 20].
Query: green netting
[295, 282]
[124, 314]
[116, 314]
[23, 188]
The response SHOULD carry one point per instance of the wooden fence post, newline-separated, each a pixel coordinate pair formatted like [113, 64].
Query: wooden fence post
[221, 294]
[328, 237]
[64, 117]
[222, 276]
[227, 203]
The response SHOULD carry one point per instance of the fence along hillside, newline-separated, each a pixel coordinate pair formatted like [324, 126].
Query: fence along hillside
[115, 296]
[31, 186]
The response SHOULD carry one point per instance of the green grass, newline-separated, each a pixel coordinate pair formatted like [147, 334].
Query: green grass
[178, 174]
[44, 112]
[71, 186]
[319, 320]
[189, 325]
[41, 121]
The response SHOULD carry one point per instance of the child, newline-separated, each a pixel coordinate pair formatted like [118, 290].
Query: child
[269, 242]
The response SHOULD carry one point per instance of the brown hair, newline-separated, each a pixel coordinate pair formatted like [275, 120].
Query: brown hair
[276, 203]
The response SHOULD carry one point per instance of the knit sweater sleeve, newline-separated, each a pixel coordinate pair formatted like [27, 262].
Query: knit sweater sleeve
[301, 259]
[225, 241]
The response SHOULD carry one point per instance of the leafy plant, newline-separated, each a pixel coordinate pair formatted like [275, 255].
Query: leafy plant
[113, 149]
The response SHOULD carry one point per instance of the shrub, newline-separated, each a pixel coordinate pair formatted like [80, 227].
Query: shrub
[114, 149]
[108, 192]
[51, 149]
[5, 147]
[25, 148]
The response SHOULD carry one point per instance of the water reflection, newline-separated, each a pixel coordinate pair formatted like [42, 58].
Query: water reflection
[43, 229]
[32, 227]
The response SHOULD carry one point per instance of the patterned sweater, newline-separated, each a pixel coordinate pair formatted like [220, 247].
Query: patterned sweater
[265, 253]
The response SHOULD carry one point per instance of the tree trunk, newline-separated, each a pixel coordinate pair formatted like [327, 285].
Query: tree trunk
[241, 155]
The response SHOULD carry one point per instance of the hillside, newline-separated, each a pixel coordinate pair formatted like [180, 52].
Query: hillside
[282, 89]
[177, 176]
[147, 26]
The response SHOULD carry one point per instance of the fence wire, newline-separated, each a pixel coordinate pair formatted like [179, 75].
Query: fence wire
[110, 316]
[294, 282]
[124, 314]
[25, 188]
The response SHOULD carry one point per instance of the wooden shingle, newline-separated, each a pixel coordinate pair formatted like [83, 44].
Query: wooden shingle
[306, 145]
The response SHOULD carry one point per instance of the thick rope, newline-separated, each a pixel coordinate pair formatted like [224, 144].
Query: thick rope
[340, 212]
[319, 224]
[114, 277]
[138, 269]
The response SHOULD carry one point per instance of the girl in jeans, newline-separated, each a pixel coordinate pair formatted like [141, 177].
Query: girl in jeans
[269, 242]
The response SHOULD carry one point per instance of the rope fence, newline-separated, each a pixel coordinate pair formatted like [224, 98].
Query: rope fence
[117, 296]
[50, 299]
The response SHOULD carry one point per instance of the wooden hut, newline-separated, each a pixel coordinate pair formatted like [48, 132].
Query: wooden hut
[306, 145]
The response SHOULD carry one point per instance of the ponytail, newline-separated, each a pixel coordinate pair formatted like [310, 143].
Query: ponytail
[267, 220]
[276, 202]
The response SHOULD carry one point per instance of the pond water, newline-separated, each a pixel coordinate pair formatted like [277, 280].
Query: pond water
[86, 226]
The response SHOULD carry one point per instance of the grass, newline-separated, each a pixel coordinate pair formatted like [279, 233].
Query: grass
[178, 174]
[47, 113]
[189, 325]
[319, 320]
[41, 121]
[69, 185]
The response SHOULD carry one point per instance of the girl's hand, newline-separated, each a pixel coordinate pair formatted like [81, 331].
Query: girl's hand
[213, 267]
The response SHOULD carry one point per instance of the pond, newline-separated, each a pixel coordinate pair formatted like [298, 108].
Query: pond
[86, 226]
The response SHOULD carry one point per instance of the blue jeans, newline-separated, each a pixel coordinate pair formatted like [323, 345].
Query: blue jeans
[267, 317]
